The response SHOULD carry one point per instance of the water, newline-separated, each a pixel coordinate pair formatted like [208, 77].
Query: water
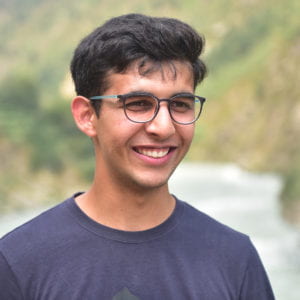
[247, 202]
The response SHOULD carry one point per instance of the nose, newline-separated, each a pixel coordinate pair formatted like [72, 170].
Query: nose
[162, 125]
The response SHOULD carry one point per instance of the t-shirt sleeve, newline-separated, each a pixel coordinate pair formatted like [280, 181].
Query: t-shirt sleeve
[9, 288]
[256, 284]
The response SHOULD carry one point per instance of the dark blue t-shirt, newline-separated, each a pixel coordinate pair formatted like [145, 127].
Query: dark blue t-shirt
[63, 254]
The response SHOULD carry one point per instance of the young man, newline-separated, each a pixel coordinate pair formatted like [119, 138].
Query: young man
[127, 237]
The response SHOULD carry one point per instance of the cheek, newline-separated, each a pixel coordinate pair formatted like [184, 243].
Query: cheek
[187, 133]
[117, 132]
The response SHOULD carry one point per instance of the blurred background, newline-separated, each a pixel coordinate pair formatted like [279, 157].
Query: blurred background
[247, 137]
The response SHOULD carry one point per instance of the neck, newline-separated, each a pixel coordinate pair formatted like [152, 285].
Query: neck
[125, 208]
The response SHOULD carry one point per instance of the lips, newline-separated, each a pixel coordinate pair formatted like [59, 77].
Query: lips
[153, 152]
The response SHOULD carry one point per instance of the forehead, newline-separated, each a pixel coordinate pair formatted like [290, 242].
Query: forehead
[167, 69]
[149, 73]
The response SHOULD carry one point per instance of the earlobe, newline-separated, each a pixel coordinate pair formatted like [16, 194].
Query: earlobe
[83, 115]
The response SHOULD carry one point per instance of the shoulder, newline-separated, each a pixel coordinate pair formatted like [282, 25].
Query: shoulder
[219, 247]
[37, 223]
[34, 235]
[197, 219]
[206, 231]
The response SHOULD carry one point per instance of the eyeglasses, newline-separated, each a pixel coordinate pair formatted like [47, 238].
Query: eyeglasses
[184, 108]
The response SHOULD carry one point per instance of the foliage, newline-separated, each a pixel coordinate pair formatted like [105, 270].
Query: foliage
[47, 133]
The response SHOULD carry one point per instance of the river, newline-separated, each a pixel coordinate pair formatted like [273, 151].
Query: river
[245, 201]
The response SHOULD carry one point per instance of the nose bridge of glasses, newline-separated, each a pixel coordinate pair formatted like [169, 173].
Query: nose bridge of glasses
[167, 100]
[159, 101]
[162, 118]
[162, 114]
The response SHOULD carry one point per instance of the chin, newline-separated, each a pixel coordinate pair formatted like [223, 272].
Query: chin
[151, 182]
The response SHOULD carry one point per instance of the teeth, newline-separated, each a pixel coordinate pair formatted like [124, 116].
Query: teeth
[153, 153]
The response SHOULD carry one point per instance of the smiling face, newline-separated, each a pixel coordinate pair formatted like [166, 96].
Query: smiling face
[141, 155]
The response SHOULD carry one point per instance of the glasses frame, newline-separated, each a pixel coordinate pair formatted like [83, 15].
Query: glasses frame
[159, 100]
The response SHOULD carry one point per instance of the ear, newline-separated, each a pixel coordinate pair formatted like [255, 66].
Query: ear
[84, 115]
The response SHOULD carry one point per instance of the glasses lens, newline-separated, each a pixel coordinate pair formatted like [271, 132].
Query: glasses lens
[140, 108]
[185, 109]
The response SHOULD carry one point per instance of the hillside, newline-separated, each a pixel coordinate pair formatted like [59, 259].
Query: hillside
[252, 116]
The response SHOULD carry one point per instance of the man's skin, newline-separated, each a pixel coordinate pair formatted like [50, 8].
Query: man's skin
[130, 188]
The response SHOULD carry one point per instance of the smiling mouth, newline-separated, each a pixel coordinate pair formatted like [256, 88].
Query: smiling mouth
[153, 153]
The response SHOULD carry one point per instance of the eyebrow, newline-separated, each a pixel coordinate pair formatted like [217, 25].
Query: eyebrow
[140, 92]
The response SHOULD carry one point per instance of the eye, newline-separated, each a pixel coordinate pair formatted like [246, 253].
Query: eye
[139, 103]
[182, 104]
